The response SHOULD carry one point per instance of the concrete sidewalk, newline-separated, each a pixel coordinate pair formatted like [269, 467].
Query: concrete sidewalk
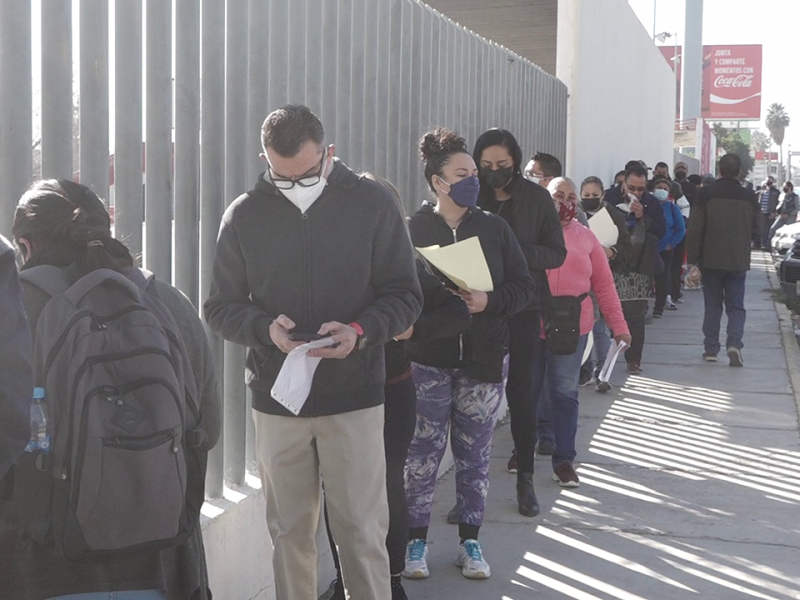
[690, 482]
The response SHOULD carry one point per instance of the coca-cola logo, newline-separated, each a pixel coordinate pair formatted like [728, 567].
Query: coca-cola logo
[740, 81]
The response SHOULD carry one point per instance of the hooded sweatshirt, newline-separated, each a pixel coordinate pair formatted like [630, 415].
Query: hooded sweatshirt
[347, 259]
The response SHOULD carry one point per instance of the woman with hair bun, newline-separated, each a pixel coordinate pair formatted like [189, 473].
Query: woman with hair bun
[459, 379]
[64, 224]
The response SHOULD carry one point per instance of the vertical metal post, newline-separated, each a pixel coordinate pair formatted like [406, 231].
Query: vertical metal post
[235, 183]
[257, 109]
[187, 148]
[341, 135]
[358, 36]
[403, 180]
[298, 23]
[128, 155]
[393, 69]
[15, 107]
[158, 140]
[692, 64]
[330, 70]
[94, 159]
[57, 111]
[212, 189]
[383, 114]
[314, 53]
[279, 55]
[370, 138]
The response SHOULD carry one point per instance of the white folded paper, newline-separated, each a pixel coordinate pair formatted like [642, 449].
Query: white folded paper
[603, 226]
[611, 360]
[293, 384]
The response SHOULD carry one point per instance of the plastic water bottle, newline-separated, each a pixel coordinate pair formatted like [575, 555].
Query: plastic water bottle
[40, 439]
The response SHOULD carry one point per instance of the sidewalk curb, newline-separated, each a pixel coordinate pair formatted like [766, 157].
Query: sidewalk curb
[791, 349]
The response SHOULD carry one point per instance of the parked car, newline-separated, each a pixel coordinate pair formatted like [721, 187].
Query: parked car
[789, 270]
[785, 238]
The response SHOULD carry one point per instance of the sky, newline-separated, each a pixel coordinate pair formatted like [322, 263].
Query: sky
[770, 23]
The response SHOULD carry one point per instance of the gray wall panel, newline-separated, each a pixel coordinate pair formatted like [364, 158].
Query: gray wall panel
[378, 72]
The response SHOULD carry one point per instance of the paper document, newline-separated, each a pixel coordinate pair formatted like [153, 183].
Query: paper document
[603, 226]
[293, 384]
[611, 360]
[463, 263]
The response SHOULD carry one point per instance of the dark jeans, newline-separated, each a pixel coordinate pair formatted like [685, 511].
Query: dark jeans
[558, 409]
[663, 280]
[635, 312]
[677, 270]
[398, 431]
[766, 241]
[526, 364]
[723, 288]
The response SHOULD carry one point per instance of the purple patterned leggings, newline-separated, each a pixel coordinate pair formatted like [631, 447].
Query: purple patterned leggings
[449, 398]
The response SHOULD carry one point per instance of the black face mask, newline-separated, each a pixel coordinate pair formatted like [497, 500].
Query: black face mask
[680, 175]
[497, 178]
[591, 204]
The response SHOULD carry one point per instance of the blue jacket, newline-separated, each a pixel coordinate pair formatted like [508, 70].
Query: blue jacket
[16, 376]
[676, 227]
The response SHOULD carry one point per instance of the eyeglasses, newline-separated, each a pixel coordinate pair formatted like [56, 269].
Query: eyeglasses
[304, 182]
[632, 188]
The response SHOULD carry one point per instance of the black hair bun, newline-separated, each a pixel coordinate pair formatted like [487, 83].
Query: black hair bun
[439, 142]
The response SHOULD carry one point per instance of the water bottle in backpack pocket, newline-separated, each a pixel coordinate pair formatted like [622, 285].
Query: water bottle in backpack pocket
[125, 433]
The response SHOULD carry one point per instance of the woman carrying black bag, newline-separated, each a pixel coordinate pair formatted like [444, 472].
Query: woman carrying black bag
[571, 319]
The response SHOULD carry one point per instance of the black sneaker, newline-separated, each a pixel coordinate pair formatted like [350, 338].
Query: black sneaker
[603, 387]
[398, 593]
[736, 357]
[658, 314]
[585, 378]
[335, 591]
[709, 356]
[545, 447]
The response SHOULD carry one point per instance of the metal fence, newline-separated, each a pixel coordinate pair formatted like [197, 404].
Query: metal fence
[169, 100]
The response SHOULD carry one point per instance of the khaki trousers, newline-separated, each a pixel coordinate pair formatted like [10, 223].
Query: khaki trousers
[347, 451]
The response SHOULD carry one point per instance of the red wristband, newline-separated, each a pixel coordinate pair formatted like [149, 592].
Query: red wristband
[359, 329]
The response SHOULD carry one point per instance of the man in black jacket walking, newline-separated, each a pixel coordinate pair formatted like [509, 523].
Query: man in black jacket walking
[16, 377]
[720, 229]
[316, 250]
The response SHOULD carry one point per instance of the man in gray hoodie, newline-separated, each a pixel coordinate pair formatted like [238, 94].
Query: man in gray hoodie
[315, 250]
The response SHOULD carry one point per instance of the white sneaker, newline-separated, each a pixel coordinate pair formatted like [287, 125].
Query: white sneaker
[416, 560]
[470, 559]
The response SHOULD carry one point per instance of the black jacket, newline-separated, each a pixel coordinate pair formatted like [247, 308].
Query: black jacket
[346, 259]
[444, 314]
[16, 376]
[533, 218]
[689, 190]
[481, 349]
[722, 225]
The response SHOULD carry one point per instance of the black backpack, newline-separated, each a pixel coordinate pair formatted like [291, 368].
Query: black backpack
[126, 469]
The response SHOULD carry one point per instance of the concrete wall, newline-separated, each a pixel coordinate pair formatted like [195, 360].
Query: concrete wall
[621, 91]
[527, 27]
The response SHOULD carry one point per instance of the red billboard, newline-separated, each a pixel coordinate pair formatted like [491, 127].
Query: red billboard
[731, 81]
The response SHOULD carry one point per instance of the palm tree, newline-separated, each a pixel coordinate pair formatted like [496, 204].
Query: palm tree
[777, 121]
[759, 141]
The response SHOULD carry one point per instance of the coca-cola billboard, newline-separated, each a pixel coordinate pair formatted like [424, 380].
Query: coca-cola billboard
[731, 81]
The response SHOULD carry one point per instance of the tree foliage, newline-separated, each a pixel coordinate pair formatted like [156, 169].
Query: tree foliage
[730, 141]
[759, 141]
[777, 121]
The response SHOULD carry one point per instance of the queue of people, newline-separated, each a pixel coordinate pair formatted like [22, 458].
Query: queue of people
[361, 370]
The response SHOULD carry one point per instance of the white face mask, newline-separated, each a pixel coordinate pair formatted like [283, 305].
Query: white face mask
[534, 179]
[304, 197]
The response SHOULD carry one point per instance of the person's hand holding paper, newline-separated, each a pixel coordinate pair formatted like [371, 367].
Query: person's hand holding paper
[463, 263]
